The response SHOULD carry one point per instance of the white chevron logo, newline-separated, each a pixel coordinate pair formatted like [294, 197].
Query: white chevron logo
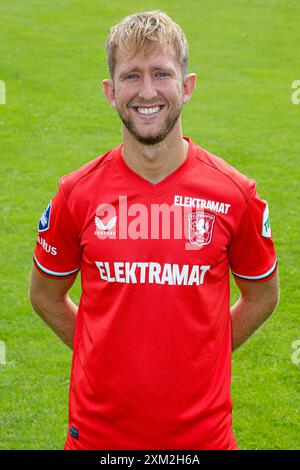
[101, 226]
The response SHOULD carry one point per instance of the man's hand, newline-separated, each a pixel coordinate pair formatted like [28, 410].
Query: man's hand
[257, 302]
[50, 300]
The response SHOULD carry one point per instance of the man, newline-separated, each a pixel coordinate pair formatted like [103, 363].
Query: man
[154, 226]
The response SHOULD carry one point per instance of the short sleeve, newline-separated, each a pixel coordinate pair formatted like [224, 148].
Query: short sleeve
[252, 253]
[57, 252]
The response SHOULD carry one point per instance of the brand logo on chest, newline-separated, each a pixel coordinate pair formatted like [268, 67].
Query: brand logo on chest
[105, 229]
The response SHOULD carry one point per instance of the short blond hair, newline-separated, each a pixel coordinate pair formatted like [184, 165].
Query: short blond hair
[144, 32]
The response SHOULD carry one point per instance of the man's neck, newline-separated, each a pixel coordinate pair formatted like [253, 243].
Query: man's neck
[155, 162]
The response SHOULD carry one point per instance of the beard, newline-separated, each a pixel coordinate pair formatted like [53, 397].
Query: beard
[156, 137]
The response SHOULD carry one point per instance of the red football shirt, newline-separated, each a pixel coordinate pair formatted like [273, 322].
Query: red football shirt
[151, 365]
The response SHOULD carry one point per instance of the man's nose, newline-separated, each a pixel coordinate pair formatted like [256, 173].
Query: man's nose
[147, 89]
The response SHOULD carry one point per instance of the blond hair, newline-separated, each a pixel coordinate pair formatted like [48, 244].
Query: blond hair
[144, 32]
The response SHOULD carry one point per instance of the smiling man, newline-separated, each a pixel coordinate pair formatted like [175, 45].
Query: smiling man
[149, 116]
[153, 334]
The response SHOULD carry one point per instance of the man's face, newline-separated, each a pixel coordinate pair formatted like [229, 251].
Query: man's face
[147, 93]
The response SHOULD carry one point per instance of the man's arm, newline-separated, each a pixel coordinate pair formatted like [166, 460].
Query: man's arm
[257, 302]
[49, 299]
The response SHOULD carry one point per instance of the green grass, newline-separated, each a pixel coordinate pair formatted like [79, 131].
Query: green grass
[246, 56]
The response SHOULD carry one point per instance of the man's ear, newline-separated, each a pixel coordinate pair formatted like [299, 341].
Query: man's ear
[109, 91]
[188, 86]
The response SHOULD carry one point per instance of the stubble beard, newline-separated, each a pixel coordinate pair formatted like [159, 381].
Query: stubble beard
[157, 137]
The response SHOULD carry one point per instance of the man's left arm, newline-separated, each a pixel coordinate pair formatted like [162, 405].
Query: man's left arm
[257, 302]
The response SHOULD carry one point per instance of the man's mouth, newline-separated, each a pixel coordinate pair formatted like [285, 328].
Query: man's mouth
[148, 112]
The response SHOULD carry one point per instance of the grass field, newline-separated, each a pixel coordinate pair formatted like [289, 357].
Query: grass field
[246, 56]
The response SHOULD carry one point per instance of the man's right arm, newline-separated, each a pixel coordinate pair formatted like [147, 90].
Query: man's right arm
[50, 300]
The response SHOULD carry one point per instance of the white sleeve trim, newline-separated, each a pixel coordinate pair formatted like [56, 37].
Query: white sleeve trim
[256, 278]
[54, 273]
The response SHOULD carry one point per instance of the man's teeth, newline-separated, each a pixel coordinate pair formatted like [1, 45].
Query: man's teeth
[148, 110]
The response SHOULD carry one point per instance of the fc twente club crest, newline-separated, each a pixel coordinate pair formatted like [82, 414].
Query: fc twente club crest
[200, 226]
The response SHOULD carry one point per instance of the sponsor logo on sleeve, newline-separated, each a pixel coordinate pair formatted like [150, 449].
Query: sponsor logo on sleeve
[52, 250]
[266, 227]
[44, 222]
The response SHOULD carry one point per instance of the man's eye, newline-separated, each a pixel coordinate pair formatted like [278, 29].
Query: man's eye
[162, 74]
[132, 75]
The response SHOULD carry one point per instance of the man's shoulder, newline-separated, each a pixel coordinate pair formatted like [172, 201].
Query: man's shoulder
[224, 172]
[70, 180]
